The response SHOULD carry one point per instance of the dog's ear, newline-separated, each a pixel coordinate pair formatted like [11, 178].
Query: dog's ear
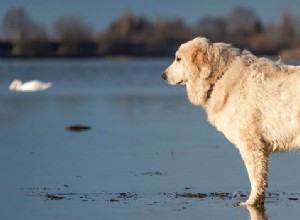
[201, 62]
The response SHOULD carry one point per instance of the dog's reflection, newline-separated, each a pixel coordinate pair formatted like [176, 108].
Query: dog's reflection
[257, 213]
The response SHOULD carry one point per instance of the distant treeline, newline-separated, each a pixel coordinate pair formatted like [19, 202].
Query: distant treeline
[131, 35]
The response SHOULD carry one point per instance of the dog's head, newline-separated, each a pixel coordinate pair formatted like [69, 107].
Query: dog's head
[192, 60]
[199, 65]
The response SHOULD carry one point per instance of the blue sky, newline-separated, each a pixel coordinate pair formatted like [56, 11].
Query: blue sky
[99, 13]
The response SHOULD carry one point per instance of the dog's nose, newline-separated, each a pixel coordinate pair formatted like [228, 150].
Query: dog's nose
[164, 76]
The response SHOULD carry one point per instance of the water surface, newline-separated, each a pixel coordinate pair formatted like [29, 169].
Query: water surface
[147, 143]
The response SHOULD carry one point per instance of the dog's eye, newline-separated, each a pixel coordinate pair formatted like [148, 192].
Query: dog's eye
[178, 59]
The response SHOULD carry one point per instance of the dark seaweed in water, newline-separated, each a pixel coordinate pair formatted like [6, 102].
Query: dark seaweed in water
[156, 173]
[77, 128]
[221, 195]
[54, 197]
[191, 195]
[124, 196]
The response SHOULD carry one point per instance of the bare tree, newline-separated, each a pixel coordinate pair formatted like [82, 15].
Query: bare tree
[287, 29]
[72, 28]
[243, 20]
[75, 36]
[128, 28]
[18, 25]
[214, 28]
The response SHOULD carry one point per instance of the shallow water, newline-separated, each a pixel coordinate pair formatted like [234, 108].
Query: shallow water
[147, 144]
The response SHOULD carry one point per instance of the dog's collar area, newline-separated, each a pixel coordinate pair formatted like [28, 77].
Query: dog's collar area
[180, 82]
[211, 88]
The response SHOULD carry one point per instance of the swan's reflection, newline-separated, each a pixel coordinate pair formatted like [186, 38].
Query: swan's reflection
[257, 213]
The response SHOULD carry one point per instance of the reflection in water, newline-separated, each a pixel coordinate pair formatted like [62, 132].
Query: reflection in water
[257, 213]
[16, 108]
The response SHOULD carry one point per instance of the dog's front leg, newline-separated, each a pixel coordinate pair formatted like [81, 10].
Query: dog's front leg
[255, 157]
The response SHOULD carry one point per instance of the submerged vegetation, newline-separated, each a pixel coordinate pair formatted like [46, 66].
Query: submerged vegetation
[131, 35]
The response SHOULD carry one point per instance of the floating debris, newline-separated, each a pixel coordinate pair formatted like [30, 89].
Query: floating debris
[188, 188]
[78, 127]
[124, 196]
[191, 195]
[54, 197]
[221, 195]
[114, 200]
[156, 173]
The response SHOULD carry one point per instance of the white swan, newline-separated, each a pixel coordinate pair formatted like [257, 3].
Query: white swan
[31, 86]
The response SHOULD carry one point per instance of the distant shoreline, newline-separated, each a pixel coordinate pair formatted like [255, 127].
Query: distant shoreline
[82, 49]
[87, 50]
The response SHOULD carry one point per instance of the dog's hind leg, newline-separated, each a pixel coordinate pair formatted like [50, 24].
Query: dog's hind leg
[255, 157]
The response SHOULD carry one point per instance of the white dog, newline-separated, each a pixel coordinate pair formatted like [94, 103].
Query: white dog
[254, 102]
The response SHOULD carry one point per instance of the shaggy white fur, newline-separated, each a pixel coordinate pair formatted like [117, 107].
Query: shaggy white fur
[253, 101]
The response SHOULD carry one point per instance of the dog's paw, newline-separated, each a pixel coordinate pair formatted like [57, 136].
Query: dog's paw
[248, 203]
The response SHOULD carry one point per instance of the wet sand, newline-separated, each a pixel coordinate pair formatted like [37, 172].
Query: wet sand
[187, 204]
